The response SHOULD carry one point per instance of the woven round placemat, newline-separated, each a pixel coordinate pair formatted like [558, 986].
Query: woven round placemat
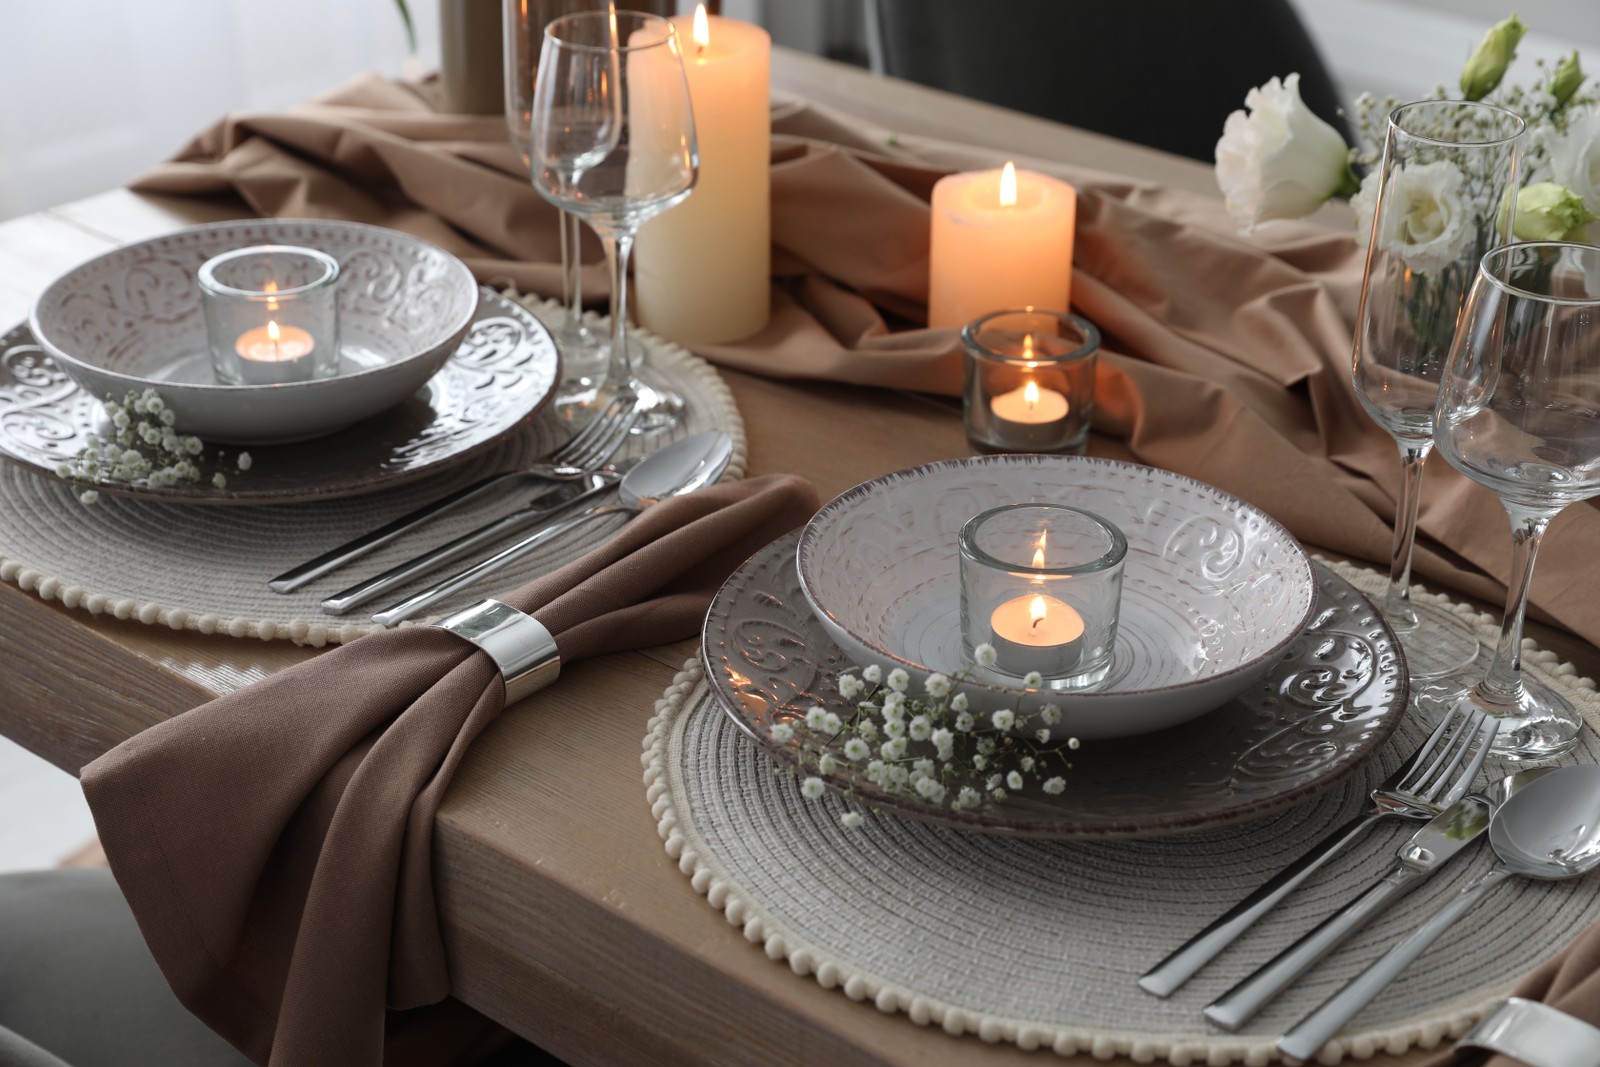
[206, 568]
[1040, 942]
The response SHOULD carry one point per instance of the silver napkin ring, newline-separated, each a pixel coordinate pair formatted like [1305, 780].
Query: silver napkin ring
[1536, 1034]
[517, 642]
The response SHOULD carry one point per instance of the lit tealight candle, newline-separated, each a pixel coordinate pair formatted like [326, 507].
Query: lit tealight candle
[1037, 632]
[274, 344]
[1030, 404]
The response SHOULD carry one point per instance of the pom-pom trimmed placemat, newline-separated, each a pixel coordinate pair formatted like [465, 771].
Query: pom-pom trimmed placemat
[206, 568]
[1040, 942]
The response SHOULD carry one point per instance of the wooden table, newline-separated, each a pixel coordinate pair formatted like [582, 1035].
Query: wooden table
[564, 917]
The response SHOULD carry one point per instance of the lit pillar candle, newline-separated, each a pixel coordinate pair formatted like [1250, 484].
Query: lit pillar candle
[702, 270]
[1036, 632]
[1001, 239]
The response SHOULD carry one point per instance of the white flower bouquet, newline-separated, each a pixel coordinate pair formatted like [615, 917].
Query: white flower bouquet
[1277, 160]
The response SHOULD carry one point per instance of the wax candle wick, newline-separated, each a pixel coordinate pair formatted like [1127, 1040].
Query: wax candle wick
[1035, 624]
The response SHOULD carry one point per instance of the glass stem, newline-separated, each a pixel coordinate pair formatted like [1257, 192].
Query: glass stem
[572, 267]
[618, 247]
[1397, 601]
[1502, 683]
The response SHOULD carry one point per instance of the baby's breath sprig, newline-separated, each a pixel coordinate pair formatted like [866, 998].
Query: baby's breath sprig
[934, 748]
[143, 448]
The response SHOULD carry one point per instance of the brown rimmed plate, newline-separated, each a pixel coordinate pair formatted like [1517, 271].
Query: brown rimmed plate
[1325, 708]
[502, 374]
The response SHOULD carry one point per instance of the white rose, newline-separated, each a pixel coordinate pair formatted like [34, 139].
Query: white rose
[1425, 220]
[1575, 161]
[1279, 161]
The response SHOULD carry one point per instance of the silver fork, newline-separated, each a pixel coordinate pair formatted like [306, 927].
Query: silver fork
[588, 450]
[1437, 775]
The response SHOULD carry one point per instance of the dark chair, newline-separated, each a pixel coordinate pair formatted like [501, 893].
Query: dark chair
[1163, 73]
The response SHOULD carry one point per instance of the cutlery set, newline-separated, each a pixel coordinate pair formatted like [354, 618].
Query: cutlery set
[1541, 824]
[574, 476]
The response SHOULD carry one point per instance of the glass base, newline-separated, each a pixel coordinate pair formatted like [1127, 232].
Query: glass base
[659, 409]
[1440, 643]
[1540, 725]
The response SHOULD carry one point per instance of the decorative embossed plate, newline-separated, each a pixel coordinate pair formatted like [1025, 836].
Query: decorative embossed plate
[1212, 593]
[132, 319]
[500, 375]
[1327, 705]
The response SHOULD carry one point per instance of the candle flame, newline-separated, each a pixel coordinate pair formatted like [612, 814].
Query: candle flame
[702, 27]
[273, 333]
[1038, 553]
[1030, 395]
[272, 301]
[1008, 185]
[1037, 610]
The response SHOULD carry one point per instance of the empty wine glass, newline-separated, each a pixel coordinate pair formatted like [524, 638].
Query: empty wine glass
[1443, 196]
[583, 354]
[614, 142]
[1519, 412]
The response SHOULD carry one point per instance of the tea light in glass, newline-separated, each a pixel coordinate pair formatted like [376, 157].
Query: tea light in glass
[1042, 584]
[1029, 377]
[272, 314]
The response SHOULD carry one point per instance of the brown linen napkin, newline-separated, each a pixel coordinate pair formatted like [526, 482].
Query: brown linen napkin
[1226, 357]
[275, 844]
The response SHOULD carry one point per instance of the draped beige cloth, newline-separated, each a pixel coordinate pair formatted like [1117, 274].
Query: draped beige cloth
[1225, 356]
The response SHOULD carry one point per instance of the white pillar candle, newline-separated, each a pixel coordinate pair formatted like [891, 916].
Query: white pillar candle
[999, 244]
[702, 270]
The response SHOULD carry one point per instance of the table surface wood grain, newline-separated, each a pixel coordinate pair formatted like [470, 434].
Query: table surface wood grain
[564, 916]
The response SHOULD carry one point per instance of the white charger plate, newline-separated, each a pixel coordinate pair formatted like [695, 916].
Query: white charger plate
[1214, 590]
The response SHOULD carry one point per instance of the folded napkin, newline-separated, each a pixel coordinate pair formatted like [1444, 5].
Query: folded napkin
[1226, 357]
[275, 844]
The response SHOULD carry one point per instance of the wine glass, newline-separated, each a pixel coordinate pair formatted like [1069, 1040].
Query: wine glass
[583, 355]
[1448, 168]
[614, 142]
[1519, 412]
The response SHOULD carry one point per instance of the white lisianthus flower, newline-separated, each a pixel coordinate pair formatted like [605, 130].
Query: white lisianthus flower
[1575, 160]
[1279, 161]
[812, 788]
[1426, 220]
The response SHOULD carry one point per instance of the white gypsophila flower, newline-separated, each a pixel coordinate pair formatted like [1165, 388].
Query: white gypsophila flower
[894, 705]
[1026, 763]
[899, 775]
[930, 789]
[1072, 742]
[875, 771]
[816, 716]
[937, 685]
[219, 480]
[872, 673]
[826, 764]
[1425, 219]
[997, 795]
[812, 788]
[1575, 160]
[782, 732]
[1014, 779]
[965, 722]
[244, 461]
[968, 797]
[920, 728]
[893, 748]
[986, 746]
[1003, 719]
[984, 655]
[894, 728]
[923, 767]
[867, 729]
[980, 761]
[832, 723]
[856, 750]
[1278, 160]
[898, 680]
[1050, 714]
[88, 496]
[958, 703]
[63, 470]
[850, 686]
[1055, 786]
[1042, 734]
[1033, 679]
[942, 738]
[850, 820]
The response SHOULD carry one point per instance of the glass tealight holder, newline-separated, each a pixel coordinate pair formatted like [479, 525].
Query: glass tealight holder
[1029, 380]
[1042, 585]
[272, 314]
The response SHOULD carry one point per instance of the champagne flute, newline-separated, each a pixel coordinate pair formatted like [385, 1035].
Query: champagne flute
[1519, 412]
[1443, 194]
[583, 355]
[614, 142]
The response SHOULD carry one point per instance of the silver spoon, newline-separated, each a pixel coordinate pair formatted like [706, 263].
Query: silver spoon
[1549, 830]
[681, 467]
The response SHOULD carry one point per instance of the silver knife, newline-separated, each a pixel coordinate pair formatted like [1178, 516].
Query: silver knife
[1429, 848]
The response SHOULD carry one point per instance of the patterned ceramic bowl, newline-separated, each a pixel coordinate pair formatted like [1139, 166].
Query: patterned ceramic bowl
[1213, 593]
[131, 319]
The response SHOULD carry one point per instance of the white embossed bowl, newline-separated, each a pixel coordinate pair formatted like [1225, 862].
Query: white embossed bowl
[131, 320]
[1213, 593]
